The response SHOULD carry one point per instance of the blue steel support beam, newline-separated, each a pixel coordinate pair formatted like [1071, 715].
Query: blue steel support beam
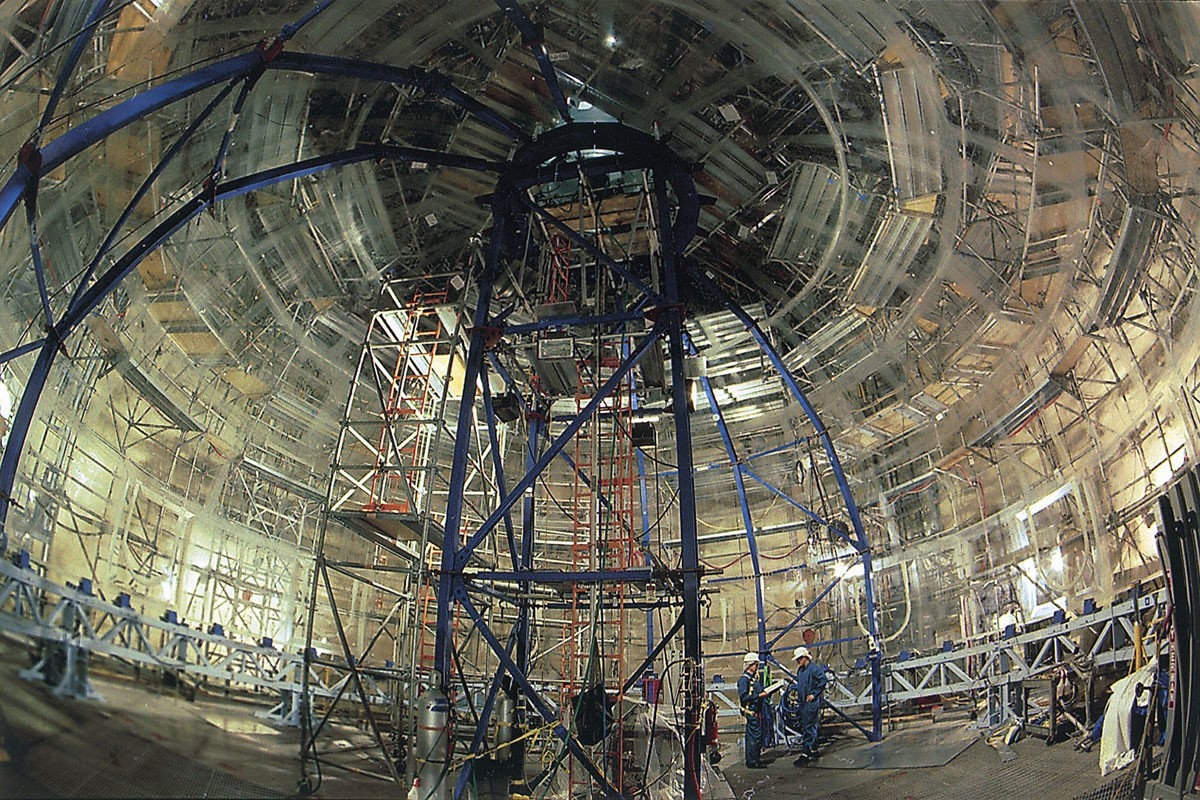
[35, 250]
[82, 40]
[485, 717]
[803, 613]
[746, 459]
[489, 412]
[17, 435]
[875, 655]
[89, 300]
[21, 350]
[631, 575]
[652, 654]
[785, 497]
[292, 28]
[743, 504]
[557, 445]
[531, 693]
[450, 579]
[689, 549]
[531, 37]
[99, 127]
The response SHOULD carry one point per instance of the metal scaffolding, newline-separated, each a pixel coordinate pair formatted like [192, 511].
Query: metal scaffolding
[385, 500]
[418, 505]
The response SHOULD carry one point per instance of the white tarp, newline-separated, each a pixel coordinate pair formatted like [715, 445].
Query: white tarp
[1116, 749]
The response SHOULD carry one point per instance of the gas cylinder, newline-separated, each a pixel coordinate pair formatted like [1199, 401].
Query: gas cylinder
[506, 710]
[432, 750]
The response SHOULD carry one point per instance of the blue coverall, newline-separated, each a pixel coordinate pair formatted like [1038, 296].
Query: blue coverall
[810, 681]
[750, 686]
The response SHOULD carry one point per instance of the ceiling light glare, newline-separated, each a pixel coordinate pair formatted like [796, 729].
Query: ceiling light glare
[610, 41]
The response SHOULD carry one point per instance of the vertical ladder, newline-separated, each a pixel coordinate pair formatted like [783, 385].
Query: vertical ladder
[603, 537]
[559, 284]
[408, 429]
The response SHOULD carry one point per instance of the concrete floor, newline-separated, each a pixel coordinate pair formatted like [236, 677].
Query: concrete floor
[1057, 772]
[142, 741]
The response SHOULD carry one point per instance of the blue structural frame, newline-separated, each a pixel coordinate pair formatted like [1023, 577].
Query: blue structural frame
[557, 152]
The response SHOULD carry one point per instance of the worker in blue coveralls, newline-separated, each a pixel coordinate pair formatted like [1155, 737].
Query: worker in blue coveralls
[803, 702]
[753, 700]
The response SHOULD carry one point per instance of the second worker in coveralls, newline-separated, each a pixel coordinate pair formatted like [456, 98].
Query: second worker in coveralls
[753, 698]
[802, 703]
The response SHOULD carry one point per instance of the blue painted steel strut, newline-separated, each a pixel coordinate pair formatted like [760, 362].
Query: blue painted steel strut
[450, 579]
[744, 505]
[544, 709]
[68, 67]
[531, 36]
[874, 655]
[57, 152]
[688, 546]
[485, 716]
[785, 497]
[558, 444]
[524, 404]
[110, 279]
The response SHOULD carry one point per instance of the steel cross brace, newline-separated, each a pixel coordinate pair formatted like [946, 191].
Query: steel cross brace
[631, 575]
[511, 384]
[532, 38]
[543, 708]
[784, 496]
[557, 445]
[485, 716]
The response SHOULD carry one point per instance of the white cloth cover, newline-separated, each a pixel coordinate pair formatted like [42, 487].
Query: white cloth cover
[1116, 749]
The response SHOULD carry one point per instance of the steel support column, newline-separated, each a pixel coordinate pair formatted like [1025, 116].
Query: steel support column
[693, 678]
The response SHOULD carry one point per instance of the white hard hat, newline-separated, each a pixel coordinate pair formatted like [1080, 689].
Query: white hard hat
[801, 652]
[750, 658]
